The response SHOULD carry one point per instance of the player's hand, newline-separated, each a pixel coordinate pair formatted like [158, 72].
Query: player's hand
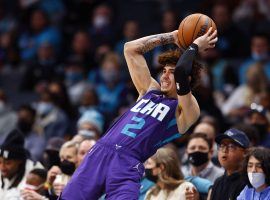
[207, 41]
[175, 37]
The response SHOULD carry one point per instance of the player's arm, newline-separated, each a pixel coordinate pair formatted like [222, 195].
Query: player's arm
[136, 62]
[188, 108]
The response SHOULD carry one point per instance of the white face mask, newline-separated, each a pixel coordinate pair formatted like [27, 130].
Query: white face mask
[256, 179]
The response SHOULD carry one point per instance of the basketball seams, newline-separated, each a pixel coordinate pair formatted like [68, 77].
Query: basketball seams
[196, 27]
[182, 32]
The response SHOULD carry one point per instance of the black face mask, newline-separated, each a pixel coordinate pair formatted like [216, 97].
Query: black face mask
[67, 167]
[149, 175]
[197, 158]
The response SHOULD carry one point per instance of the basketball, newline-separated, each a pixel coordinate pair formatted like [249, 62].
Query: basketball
[192, 27]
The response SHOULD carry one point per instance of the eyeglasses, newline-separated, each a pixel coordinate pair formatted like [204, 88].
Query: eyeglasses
[230, 147]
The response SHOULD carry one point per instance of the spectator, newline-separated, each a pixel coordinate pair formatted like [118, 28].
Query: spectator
[237, 105]
[51, 120]
[91, 124]
[58, 177]
[39, 32]
[34, 142]
[259, 55]
[34, 188]
[232, 148]
[256, 170]
[14, 165]
[109, 84]
[199, 151]
[51, 152]
[163, 168]
[8, 117]
[75, 80]
[101, 25]
[89, 101]
[82, 49]
[84, 148]
[43, 69]
[259, 118]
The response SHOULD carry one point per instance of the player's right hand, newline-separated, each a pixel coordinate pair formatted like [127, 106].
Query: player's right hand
[207, 41]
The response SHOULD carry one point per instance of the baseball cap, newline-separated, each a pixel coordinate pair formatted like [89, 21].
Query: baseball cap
[236, 135]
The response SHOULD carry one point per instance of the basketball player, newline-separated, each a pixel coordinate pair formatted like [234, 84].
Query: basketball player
[162, 113]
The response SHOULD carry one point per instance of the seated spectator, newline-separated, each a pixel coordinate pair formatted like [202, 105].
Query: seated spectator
[163, 169]
[41, 69]
[83, 149]
[256, 171]
[232, 148]
[109, 84]
[89, 100]
[259, 118]
[51, 152]
[259, 55]
[58, 176]
[51, 121]
[199, 151]
[34, 188]
[34, 143]
[39, 32]
[14, 165]
[8, 118]
[237, 105]
[91, 124]
[75, 80]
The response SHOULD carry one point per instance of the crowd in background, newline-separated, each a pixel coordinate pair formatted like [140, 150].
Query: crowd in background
[64, 80]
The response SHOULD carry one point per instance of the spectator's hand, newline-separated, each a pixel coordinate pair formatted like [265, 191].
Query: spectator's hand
[192, 194]
[30, 195]
[58, 188]
[207, 41]
[55, 170]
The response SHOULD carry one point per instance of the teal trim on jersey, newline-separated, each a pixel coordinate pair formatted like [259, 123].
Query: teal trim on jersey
[171, 123]
[175, 136]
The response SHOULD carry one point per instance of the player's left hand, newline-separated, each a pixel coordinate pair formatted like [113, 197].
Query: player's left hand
[207, 41]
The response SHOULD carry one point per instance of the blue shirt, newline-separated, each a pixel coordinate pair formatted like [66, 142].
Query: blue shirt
[250, 193]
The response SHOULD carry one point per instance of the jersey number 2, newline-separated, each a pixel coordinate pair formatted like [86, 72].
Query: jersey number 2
[137, 126]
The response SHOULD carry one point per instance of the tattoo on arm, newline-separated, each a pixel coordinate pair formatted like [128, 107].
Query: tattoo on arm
[155, 40]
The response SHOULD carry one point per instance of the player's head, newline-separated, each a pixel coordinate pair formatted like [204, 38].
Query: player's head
[168, 60]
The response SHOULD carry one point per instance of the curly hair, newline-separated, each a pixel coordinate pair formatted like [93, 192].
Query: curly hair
[171, 57]
[261, 154]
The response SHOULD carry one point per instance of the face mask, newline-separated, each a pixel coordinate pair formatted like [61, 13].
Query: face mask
[100, 21]
[110, 75]
[74, 77]
[33, 187]
[87, 133]
[259, 57]
[197, 158]
[256, 179]
[43, 108]
[67, 167]
[149, 175]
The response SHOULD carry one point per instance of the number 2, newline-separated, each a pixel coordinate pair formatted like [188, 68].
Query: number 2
[138, 126]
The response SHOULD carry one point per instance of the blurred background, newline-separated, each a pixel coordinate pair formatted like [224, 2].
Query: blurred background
[61, 63]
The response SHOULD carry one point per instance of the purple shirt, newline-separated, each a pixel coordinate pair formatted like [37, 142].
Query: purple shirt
[147, 126]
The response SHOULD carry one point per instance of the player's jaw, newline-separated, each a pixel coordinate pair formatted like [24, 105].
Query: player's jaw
[167, 82]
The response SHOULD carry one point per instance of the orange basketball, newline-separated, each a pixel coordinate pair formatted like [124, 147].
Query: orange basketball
[194, 26]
